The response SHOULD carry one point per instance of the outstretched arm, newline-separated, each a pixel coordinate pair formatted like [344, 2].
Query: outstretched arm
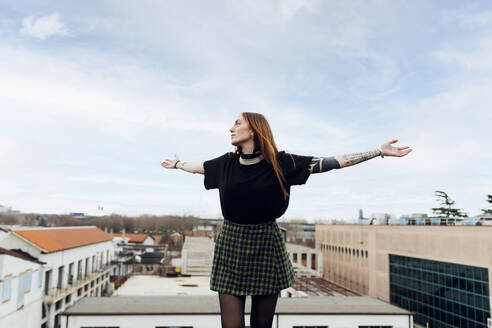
[185, 166]
[323, 164]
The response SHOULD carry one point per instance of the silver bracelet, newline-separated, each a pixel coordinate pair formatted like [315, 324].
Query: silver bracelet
[176, 164]
[380, 153]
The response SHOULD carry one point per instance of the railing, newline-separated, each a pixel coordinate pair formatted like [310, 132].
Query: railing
[54, 293]
[106, 267]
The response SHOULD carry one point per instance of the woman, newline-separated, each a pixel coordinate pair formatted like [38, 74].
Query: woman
[254, 184]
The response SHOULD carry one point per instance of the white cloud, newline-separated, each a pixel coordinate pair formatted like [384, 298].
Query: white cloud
[477, 59]
[289, 8]
[7, 146]
[480, 19]
[43, 27]
[94, 119]
[128, 182]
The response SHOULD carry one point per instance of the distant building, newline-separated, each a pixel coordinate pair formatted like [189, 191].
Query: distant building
[197, 256]
[137, 238]
[299, 233]
[307, 261]
[442, 273]
[77, 214]
[4, 209]
[21, 286]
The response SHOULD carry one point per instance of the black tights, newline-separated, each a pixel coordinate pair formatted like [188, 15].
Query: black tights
[232, 310]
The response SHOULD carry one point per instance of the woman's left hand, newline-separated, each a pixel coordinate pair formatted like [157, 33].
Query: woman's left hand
[389, 150]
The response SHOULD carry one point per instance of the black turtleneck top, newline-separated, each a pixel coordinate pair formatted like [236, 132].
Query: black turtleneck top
[251, 193]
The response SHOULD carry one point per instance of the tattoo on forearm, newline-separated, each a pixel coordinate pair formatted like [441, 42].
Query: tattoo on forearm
[323, 164]
[351, 159]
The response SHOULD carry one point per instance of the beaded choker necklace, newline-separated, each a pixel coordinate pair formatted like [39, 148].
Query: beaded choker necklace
[248, 159]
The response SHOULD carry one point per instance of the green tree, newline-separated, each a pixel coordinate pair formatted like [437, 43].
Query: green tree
[489, 200]
[446, 210]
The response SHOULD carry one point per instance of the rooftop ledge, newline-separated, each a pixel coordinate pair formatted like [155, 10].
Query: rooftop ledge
[168, 305]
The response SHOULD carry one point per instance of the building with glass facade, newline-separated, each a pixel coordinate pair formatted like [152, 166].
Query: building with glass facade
[441, 273]
[442, 294]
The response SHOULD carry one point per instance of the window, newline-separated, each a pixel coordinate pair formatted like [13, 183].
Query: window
[60, 277]
[40, 278]
[79, 270]
[20, 290]
[27, 281]
[6, 289]
[86, 267]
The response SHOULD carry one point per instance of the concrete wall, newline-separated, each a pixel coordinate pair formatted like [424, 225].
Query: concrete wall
[468, 245]
[28, 312]
[213, 321]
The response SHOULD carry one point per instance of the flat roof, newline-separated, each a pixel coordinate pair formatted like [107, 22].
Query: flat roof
[168, 305]
[143, 285]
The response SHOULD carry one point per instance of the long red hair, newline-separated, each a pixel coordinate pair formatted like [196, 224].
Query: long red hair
[263, 139]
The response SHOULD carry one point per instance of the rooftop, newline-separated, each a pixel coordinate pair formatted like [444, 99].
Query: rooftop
[142, 285]
[320, 287]
[152, 305]
[57, 239]
[134, 237]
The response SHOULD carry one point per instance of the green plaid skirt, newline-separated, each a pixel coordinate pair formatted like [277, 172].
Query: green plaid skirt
[250, 259]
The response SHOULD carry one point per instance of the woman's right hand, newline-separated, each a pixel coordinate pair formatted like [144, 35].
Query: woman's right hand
[169, 163]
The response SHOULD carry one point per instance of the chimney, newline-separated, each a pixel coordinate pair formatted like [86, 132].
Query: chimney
[123, 234]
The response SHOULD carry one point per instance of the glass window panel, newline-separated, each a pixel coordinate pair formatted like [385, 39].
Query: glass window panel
[478, 301]
[455, 270]
[6, 288]
[485, 274]
[485, 289]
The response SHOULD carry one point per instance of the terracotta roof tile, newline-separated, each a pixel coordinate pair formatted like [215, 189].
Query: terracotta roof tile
[52, 240]
[134, 237]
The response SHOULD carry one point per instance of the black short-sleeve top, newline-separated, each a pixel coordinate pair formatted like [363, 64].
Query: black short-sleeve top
[251, 194]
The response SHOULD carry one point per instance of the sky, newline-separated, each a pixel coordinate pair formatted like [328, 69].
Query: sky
[94, 95]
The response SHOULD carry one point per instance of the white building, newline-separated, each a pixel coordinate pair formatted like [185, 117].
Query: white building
[135, 239]
[21, 289]
[307, 261]
[77, 263]
[204, 312]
